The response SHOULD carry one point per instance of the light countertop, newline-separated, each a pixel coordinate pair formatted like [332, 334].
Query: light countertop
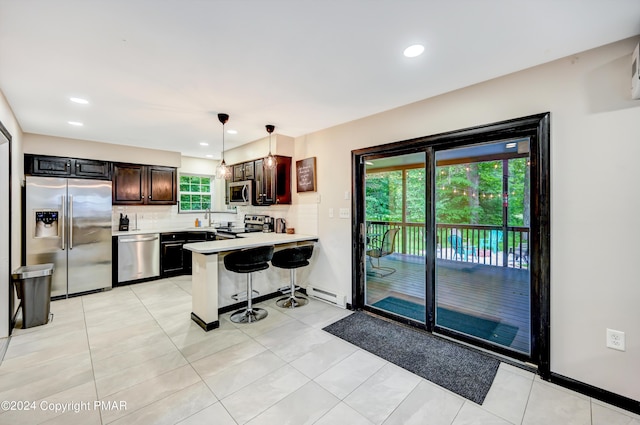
[247, 240]
[163, 230]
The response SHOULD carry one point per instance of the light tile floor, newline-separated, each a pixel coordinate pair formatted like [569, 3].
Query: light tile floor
[135, 350]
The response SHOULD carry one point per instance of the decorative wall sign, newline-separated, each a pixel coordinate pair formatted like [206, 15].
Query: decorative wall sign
[306, 175]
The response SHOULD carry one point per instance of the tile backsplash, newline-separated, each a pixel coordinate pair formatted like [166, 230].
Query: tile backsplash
[304, 218]
[163, 217]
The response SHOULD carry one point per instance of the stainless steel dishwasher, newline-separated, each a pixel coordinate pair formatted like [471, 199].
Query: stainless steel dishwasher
[138, 256]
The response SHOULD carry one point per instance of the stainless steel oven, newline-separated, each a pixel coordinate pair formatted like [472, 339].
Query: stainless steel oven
[241, 193]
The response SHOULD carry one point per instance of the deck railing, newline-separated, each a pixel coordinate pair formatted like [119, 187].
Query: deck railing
[480, 244]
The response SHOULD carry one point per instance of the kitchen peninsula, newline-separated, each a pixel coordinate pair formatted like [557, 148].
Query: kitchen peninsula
[213, 286]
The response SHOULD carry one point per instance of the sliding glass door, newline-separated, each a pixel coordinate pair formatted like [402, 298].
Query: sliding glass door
[446, 238]
[394, 242]
[482, 274]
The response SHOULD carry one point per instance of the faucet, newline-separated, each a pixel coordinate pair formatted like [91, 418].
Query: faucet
[207, 215]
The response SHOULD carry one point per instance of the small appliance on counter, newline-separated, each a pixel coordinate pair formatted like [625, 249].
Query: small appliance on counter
[281, 226]
[267, 227]
[124, 223]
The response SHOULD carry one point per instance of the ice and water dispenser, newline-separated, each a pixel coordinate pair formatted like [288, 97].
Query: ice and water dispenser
[46, 224]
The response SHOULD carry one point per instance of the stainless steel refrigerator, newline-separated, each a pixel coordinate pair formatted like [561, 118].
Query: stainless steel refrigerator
[68, 223]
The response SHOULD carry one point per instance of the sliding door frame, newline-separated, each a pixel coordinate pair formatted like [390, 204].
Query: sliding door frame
[4, 133]
[537, 129]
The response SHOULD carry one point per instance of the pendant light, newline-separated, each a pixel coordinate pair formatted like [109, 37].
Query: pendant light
[270, 160]
[222, 171]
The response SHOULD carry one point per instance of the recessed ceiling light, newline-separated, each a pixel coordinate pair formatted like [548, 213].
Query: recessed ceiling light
[209, 156]
[368, 162]
[79, 100]
[204, 144]
[413, 51]
[76, 123]
[511, 145]
[232, 131]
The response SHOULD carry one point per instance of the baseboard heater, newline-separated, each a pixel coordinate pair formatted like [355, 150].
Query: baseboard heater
[327, 296]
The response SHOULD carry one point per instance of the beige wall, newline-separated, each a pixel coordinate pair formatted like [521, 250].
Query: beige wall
[9, 121]
[280, 145]
[75, 148]
[595, 144]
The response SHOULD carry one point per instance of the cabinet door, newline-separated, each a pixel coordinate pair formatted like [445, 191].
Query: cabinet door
[269, 186]
[283, 180]
[128, 184]
[238, 172]
[51, 166]
[259, 182]
[249, 170]
[162, 188]
[92, 169]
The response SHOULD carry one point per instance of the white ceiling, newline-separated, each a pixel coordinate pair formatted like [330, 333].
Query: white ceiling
[158, 71]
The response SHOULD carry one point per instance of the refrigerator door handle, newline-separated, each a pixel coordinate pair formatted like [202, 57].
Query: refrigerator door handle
[70, 221]
[64, 202]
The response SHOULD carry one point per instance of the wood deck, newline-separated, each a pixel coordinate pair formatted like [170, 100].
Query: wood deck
[496, 293]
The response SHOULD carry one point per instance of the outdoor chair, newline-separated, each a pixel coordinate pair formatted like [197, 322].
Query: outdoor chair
[382, 248]
[493, 242]
[520, 253]
[461, 249]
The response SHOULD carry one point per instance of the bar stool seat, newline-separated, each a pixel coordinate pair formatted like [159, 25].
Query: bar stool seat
[292, 258]
[247, 261]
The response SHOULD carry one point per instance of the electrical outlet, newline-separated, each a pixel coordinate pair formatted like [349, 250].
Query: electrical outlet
[615, 340]
[330, 212]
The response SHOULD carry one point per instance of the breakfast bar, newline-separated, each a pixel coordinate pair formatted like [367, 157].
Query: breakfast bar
[213, 286]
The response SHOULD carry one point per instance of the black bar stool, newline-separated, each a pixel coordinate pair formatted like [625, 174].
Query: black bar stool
[292, 258]
[247, 261]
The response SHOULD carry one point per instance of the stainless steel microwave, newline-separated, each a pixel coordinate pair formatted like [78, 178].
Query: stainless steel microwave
[241, 193]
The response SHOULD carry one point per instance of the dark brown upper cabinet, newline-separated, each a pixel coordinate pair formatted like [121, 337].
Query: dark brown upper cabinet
[273, 185]
[55, 166]
[243, 171]
[136, 184]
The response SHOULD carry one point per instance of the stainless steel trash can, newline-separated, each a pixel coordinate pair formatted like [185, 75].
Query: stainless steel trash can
[33, 285]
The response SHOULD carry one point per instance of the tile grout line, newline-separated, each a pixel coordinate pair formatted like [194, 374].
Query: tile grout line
[93, 372]
[526, 405]
[458, 412]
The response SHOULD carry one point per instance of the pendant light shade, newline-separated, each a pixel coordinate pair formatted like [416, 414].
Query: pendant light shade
[222, 170]
[270, 160]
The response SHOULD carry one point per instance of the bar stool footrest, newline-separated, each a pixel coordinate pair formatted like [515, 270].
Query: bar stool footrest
[242, 296]
[287, 289]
